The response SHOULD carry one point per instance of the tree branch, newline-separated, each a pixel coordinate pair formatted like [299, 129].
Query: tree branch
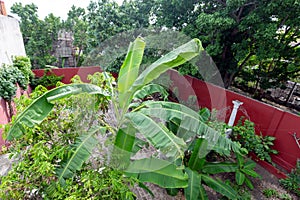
[244, 61]
[221, 2]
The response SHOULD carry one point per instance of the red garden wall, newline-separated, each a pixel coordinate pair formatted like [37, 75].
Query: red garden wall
[268, 120]
[69, 73]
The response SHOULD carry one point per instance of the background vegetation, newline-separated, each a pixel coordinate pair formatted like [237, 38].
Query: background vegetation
[255, 40]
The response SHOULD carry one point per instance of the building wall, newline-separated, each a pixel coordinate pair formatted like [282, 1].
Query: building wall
[11, 40]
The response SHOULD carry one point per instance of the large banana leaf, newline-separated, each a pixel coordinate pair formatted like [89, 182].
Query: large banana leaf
[220, 187]
[82, 150]
[239, 177]
[173, 59]
[130, 68]
[38, 110]
[158, 135]
[197, 158]
[194, 190]
[190, 125]
[151, 89]
[160, 172]
[123, 146]
[222, 167]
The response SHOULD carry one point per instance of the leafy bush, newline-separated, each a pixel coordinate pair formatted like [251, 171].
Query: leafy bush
[244, 132]
[9, 78]
[179, 157]
[49, 79]
[292, 183]
[24, 65]
[44, 147]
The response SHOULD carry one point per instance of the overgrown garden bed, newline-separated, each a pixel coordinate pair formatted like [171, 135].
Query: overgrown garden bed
[55, 135]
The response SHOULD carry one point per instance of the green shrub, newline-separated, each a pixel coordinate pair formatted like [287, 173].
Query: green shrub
[292, 183]
[46, 146]
[49, 79]
[244, 132]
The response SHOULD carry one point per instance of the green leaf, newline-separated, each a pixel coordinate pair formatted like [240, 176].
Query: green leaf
[130, 69]
[38, 110]
[160, 172]
[158, 135]
[123, 145]
[240, 160]
[197, 158]
[172, 191]
[194, 190]
[249, 164]
[82, 150]
[239, 177]
[250, 172]
[205, 114]
[216, 168]
[190, 125]
[151, 89]
[248, 183]
[173, 59]
[219, 187]
[142, 185]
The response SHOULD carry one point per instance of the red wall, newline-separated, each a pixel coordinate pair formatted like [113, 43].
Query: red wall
[268, 119]
[69, 73]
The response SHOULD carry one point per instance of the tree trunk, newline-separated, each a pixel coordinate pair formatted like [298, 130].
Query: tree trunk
[10, 108]
[228, 79]
[78, 57]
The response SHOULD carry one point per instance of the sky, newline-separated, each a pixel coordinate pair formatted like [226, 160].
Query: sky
[59, 8]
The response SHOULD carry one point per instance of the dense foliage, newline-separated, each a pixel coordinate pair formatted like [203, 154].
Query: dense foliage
[244, 132]
[48, 80]
[292, 182]
[255, 40]
[46, 146]
[55, 140]
[12, 76]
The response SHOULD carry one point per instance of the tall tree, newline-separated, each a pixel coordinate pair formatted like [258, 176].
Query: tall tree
[77, 24]
[39, 35]
[235, 31]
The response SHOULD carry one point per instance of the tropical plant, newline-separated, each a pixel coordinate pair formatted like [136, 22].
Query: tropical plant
[140, 124]
[42, 148]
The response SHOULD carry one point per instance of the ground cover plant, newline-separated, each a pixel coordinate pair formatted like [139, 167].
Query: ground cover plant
[292, 182]
[181, 138]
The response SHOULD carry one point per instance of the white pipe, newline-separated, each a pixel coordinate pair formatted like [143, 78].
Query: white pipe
[236, 105]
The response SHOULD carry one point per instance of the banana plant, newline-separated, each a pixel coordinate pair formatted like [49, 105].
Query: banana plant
[129, 84]
[148, 119]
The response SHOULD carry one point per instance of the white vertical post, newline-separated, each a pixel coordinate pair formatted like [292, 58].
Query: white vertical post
[236, 105]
